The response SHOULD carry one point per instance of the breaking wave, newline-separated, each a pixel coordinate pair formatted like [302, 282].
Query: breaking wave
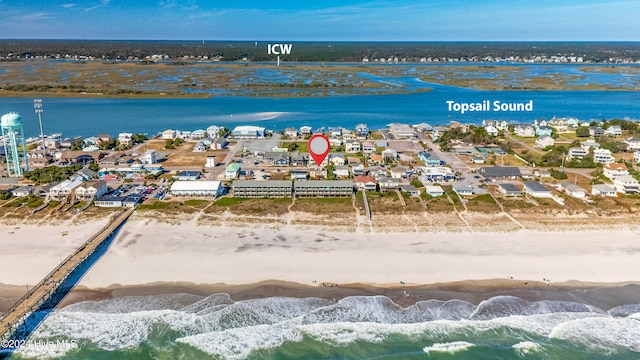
[218, 326]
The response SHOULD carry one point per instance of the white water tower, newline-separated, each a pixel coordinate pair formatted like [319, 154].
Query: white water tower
[14, 145]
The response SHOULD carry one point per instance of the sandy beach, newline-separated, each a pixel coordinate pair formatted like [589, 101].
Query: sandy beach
[235, 256]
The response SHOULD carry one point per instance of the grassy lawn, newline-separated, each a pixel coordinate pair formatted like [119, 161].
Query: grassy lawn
[482, 203]
[244, 206]
[302, 146]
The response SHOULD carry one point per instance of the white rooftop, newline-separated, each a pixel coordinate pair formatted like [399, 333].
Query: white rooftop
[195, 186]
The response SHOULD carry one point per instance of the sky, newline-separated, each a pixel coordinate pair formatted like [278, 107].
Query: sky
[322, 20]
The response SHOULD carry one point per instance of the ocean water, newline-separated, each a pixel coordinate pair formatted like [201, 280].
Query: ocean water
[183, 326]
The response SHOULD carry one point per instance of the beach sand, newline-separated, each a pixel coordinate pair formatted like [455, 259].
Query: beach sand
[278, 258]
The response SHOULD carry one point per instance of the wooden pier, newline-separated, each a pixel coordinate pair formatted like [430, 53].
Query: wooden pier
[39, 294]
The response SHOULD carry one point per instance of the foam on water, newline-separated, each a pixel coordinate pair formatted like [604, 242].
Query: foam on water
[526, 347]
[601, 333]
[501, 306]
[128, 304]
[238, 343]
[451, 348]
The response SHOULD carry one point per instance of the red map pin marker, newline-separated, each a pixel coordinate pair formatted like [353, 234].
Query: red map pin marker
[319, 147]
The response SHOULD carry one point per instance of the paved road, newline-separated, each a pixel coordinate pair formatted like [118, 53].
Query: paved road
[524, 144]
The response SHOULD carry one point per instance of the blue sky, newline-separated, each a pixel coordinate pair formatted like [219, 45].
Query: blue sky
[364, 20]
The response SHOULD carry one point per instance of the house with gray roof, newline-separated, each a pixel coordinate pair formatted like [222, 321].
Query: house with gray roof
[500, 172]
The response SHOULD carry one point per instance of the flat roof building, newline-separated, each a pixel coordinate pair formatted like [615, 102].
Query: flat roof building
[262, 189]
[196, 188]
[323, 188]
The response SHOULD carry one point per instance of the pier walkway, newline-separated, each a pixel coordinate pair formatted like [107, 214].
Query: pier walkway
[34, 299]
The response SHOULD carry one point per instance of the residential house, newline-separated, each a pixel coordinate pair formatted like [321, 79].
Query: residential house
[219, 143]
[508, 189]
[362, 131]
[626, 184]
[388, 184]
[368, 147]
[317, 173]
[636, 156]
[197, 188]
[633, 143]
[399, 172]
[540, 122]
[462, 188]
[577, 153]
[335, 132]
[524, 130]
[434, 190]
[109, 201]
[232, 171]
[169, 134]
[436, 174]
[305, 130]
[338, 160]
[376, 159]
[357, 169]
[213, 131]
[92, 190]
[291, 132]
[596, 131]
[277, 158]
[500, 172]
[544, 141]
[341, 172]
[536, 189]
[198, 134]
[62, 190]
[348, 135]
[544, 130]
[38, 159]
[477, 159]
[86, 174]
[603, 190]
[500, 125]
[23, 191]
[298, 159]
[125, 139]
[200, 147]
[574, 190]
[353, 161]
[590, 144]
[603, 156]
[613, 130]
[367, 183]
[79, 157]
[299, 174]
[377, 172]
[614, 170]
[352, 146]
[491, 130]
[390, 154]
[410, 189]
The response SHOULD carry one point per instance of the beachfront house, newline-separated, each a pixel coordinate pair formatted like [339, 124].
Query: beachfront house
[574, 190]
[125, 139]
[291, 132]
[603, 190]
[536, 189]
[92, 190]
[23, 191]
[434, 190]
[388, 184]
[109, 201]
[508, 189]
[367, 183]
[402, 131]
[305, 130]
[197, 188]
[399, 172]
[410, 189]
[362, 131]
[626, 184]
[60, 191]
[462, 189]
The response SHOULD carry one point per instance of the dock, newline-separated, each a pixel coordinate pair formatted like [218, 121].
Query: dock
[41, 293]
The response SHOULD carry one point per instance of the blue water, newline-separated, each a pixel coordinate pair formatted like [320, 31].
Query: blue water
[94, 115]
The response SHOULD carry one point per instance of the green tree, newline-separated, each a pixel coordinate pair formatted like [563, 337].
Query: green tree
[168, 144]
[77, 145]
[582, 131]
[558, 175]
